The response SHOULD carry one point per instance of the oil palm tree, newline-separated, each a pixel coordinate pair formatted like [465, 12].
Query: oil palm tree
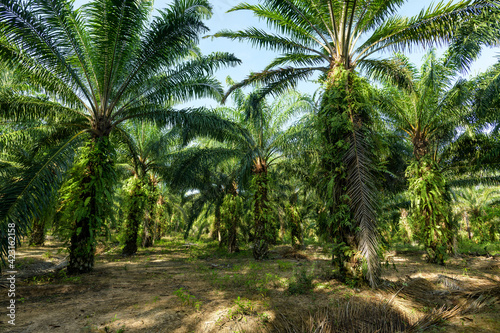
[144, 156]
[335, 38]
[474, 202]
[99, 66]
[259, 146]
[429, 113]
[19, 158]
[269, 137]
[203, 173]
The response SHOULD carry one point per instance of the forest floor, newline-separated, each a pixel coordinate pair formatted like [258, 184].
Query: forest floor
[179, 287]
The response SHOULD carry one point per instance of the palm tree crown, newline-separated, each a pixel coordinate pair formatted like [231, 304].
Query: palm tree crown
[319, 35]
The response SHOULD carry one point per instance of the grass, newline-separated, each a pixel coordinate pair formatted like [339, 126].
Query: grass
[255, 278]
[467, 246]
[301, 283]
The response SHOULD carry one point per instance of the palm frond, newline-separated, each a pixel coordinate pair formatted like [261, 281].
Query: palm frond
[360, 188]
[25, 196]
[397, 71]
[276, 81]
[471, 37]
[434, 26]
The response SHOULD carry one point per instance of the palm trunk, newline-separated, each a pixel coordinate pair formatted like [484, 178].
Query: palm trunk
[148, 230]
[348, 186]
[430, 210]
[158, 218]
[295, 228]
[135, 213]
[261, 211]
[37, 236]
[93, 178]
[82, 248]
[405, 226]
[232, 233]
[466, 218]
[216, 231]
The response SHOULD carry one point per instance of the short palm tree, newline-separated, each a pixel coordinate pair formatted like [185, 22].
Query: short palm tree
[203, 173]
[100, 66]
[335, 38]
[264, 147]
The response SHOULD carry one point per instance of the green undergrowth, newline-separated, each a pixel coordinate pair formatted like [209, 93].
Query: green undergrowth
[252, 277]
[467, 246]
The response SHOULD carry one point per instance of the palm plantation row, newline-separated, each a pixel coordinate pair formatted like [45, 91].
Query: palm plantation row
[90, 97]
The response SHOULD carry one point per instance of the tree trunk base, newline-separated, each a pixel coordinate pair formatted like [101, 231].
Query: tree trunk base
[147, 241]
[130, 248]
[260, 250]
[37, 237]
[81, 256]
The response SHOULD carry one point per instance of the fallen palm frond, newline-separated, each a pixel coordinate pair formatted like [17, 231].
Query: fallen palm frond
[449, 282]
[361, 316]
[421, 291]
[474, 301]
[358, 315]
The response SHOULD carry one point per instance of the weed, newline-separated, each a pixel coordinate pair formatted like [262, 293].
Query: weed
[74, 279]
[188, 299]
[348, 295]
[284, 265]
[301, 282]
[197, 305]
[243, 307]
[326, 272]
[255, 266]
[236, 268]
[264, 318]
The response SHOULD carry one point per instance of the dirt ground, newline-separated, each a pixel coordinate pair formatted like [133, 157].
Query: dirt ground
[178, 287]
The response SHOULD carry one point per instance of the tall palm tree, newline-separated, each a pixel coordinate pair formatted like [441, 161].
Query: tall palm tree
[429, 112]
[144, 156]
[260, 145]
[440, 121]
[335, 38]
[99, 66]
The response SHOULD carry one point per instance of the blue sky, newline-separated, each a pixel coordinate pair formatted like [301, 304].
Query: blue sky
[254, 59]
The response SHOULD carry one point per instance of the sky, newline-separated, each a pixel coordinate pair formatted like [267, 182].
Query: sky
[254, 59]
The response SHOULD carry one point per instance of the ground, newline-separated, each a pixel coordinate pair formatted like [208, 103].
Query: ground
[182, 287]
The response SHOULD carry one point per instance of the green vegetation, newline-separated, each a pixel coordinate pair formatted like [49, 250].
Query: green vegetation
[100, 148]
[187, 299]
[301, 282]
